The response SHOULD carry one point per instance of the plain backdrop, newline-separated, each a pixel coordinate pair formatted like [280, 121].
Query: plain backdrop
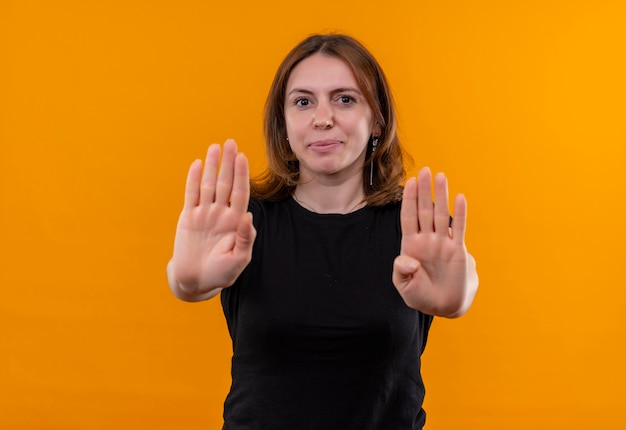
[104, 104]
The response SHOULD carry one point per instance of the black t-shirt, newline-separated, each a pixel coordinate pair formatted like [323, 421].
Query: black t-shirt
[321, 338]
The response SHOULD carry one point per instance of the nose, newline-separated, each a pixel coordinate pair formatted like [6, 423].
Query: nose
[323, 117]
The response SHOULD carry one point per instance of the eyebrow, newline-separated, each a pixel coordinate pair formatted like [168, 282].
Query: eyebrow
[335, 91]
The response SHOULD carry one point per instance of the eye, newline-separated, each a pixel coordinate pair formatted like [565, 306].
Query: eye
[301, 102]
[346, 100]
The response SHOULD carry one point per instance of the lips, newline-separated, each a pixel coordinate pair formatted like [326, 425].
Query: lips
[324, 145]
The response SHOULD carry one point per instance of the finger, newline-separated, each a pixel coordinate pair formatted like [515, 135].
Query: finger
[209, 174]
[241, 184]
[225, 178]
[405, 265]
[424, 201]
[408, 211]
[192, 187]
[442, 213]
[404, 268]
[246, 233]
[460, 219]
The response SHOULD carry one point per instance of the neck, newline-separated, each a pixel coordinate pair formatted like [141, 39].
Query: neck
[331, 198]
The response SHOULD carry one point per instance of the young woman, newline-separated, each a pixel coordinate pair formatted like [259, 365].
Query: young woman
[331, 273]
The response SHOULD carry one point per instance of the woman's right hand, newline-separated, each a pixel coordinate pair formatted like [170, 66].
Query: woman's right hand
[215, 234]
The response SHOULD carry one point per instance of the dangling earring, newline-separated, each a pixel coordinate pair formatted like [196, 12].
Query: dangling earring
[374, 145]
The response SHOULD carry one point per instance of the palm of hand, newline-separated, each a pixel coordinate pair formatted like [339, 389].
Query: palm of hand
[443, 269]
[204, 242]
[214, 236]
[431, 272]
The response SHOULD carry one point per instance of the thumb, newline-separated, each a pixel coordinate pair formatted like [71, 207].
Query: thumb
[404, 268]
[246, 233]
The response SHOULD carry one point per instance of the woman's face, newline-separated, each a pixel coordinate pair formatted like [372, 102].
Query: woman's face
[328, 119]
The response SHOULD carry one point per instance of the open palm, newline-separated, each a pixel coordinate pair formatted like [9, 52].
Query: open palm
[214, 236]
[434, 270]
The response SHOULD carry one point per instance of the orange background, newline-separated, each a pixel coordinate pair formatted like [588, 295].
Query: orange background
[104, 104]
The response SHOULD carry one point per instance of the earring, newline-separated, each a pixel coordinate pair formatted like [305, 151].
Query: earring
[374, 145]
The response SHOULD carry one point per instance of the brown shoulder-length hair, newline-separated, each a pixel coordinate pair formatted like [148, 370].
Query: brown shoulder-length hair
[281, 176]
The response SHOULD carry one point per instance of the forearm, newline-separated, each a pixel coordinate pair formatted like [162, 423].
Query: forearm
[189, 293]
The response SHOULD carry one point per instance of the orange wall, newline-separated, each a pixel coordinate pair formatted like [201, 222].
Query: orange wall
[103, 105]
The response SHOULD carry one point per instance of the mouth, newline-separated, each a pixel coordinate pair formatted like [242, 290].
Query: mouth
[324, 145]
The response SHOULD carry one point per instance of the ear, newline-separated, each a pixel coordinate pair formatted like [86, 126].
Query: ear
[377, 129]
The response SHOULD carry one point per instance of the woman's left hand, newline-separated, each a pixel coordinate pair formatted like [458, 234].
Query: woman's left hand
[434, 273]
